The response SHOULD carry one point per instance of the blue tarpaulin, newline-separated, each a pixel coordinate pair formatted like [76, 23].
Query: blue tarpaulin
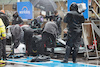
[51, 63]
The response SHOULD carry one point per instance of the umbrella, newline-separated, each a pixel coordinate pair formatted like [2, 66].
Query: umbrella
[46, 5]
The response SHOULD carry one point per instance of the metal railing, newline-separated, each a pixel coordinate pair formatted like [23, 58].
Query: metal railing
[94, 10]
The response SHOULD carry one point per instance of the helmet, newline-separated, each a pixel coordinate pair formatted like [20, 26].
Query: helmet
[20, 49]
[73, 7]
[2, 11]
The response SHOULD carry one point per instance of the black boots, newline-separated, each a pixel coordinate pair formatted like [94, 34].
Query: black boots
[64, 61]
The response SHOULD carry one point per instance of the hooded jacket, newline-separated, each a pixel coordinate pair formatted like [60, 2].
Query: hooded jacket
[51, 27]
[4, 19]
[74, 19]
[16, 34]
[16, 19]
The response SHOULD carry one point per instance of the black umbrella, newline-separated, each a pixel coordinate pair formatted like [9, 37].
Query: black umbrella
[46, 5]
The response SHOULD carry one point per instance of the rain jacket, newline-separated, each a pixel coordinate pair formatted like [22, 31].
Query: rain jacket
[2, 29]
[4, 19]
[74, 19]
[52, 28]
[57, 20]
[16, 31]
[74, 26]
[16, 19]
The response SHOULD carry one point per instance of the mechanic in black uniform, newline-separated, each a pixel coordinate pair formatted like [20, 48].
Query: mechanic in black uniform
[57, 18]
[74, 19]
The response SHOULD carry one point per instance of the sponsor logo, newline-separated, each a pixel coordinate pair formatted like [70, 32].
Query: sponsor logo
[24, 10]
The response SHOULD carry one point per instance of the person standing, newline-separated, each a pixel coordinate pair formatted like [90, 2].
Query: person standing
[58, 20]
[2, 40]
[16, 19]
[74, 19]
[4, 18]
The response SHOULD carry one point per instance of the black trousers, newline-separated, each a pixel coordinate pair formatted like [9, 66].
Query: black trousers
[74, 41]
[3, 49]
[45, 38]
